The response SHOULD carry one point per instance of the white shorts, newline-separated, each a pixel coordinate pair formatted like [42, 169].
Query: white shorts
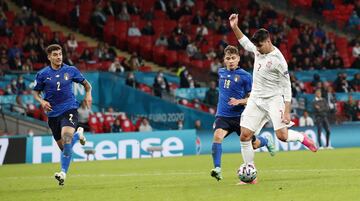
[259, 110]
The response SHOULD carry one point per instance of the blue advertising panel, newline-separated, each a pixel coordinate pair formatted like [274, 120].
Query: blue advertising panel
[114, 146]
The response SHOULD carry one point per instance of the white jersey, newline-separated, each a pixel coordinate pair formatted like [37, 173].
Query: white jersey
[270, 73]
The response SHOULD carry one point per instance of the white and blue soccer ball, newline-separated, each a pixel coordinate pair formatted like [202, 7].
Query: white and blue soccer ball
[247, 172]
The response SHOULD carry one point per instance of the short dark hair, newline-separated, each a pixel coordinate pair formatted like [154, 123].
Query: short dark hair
[52, 47]
[231, 50]
[260, 36]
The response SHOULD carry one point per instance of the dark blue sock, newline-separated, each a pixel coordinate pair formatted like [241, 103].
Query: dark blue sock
[74, 139]
[66, 157]
[263, 141]
[216, 154]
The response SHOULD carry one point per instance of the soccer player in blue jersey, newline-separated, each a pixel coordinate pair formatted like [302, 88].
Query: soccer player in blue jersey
[58, 101]
[234, 89]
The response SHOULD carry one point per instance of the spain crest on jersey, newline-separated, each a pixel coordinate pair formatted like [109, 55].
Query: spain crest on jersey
[66, 76]
[269, 63]
[237, 78]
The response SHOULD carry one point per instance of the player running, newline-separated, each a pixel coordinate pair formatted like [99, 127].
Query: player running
[234, 88]
[270, 95]
[59, 102]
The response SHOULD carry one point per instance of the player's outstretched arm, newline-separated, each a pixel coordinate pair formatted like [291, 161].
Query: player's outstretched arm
[234, 26]
[88, 97]
[243, 40]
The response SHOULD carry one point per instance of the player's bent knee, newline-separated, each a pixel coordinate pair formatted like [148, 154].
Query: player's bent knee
[246, 134]
[67, 137]
[219, 135]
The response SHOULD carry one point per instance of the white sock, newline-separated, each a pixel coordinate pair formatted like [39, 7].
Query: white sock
[294, 136]
[247, 152]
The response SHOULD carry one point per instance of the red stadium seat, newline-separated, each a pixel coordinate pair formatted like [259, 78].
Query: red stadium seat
[170, 57]
[158, 54]
[197, 64]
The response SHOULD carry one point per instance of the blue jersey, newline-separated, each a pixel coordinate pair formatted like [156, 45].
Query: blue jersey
[57, 88]
[232, 84]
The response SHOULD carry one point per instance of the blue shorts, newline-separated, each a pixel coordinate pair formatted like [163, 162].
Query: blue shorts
[230, 124]
[68, 118]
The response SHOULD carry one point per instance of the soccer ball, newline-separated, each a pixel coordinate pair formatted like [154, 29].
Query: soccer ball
[247, 172]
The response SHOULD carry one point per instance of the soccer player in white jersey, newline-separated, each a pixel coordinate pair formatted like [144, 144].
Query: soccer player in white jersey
[270, 96]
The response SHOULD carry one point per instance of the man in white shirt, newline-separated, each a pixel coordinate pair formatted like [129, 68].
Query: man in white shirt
[306, 120]
[134, 30]
[270, 96]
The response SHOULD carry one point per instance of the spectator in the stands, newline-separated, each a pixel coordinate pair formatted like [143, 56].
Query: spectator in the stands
[297, 86]
[351, 108]
[355, 83]
[178, 30]
[306, 120]
[184, 82]
[223, 28]
[354, 20]
[116, 127]
[160, 5]
[34, 19]
[116, 66]
[14, 51]
[8, 90]
[20, 19]
[83, 117]
[19, 106]
[6, 30]
[130, 80]
[86, 56]
[133, 8]
[316, 80]
[160, 84]
[134, 30]
[98, 20]
[28, 66]
[191, 49]
[148, 29]
[124, 14]
[212, 95]
[202, 30]
[56, 39]
[74, 16]
[149, 14]
[192, 82]
[4, 64]
[214, 66]
[111, 8]
[72, 42]
[16, 63]
[197, 19]
[134, 62]
[341, 84]
[33, 56]
[161, 40]
[20, 85]
[145, 125]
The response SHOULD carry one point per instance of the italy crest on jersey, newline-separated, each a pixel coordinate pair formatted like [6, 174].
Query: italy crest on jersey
[66, 76]
[236, 78]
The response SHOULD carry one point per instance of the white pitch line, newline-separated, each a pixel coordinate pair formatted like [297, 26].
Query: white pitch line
[176, 173]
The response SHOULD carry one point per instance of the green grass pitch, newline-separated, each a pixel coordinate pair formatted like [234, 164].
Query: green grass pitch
[289, 176]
